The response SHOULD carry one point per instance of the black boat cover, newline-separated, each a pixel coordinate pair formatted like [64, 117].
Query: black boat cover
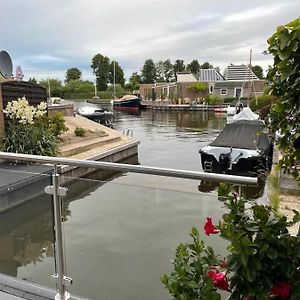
[244, 134]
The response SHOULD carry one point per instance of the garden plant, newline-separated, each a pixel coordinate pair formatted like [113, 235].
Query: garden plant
[262, 260]
[30, 131]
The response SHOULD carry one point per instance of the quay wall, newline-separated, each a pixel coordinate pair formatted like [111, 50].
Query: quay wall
[21, 191]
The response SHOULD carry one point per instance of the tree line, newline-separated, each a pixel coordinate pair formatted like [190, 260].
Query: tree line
[108, 72]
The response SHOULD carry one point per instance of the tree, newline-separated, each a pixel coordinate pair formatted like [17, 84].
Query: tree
[76, 89]
[148, 72]
[178, 67]
[193, 67]
[55, 87]
[135, 78]
[258, 71]
[116, 71]
[73, 74]
[168, 71]
[101, 67]
[206, 65]
[160, 71]
[284, 79]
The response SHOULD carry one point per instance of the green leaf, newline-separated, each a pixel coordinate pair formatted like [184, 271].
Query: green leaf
[244, 258]
[272, 253]
[192, 284]
[250, 274]
[164, 279]
[195, 231]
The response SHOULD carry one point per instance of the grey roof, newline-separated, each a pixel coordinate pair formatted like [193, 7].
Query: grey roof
[239, 72]
[186, 77]
[209, 75]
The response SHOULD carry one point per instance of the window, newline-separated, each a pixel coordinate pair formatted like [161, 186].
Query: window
[223, 91]
[211, 89]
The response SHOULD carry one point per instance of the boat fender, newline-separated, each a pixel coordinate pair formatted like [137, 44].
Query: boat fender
[225, 161]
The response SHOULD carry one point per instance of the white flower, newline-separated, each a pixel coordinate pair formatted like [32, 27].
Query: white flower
[23, 112]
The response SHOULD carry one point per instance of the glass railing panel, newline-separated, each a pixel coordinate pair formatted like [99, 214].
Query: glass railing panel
[26, 223]
[121, 235]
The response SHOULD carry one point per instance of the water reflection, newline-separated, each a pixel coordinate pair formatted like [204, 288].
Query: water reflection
[248, 192]
[26, 235]
[127, 227]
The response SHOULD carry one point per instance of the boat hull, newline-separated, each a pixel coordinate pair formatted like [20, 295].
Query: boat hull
[250, 166]
[133, 104]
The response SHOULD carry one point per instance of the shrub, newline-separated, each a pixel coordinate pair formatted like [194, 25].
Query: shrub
[262, 262]
[198, 87]
[28, 132]
[57, 124]
[79, 131]
[261, 102]
[284, 79]
[212, 99]
[37, 140]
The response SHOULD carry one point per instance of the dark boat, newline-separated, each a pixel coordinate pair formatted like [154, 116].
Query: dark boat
[96, 114]
[128, 102]
[242, 148]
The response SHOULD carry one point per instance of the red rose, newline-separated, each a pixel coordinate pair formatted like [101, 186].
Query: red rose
[281, 290]
[219, 280]
[209, 227]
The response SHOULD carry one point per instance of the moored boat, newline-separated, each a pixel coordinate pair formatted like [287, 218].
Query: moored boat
[96, 114]
[128, 102]
[242, 148]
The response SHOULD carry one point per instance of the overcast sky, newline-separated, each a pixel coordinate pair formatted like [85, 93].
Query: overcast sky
[48, 37]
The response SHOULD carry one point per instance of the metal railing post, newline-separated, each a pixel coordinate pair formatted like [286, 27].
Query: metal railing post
[60, 265]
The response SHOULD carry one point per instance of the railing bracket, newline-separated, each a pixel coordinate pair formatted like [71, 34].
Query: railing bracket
[61, 191]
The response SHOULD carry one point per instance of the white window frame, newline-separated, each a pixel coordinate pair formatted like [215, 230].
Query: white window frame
[240, 89]
[223, 94]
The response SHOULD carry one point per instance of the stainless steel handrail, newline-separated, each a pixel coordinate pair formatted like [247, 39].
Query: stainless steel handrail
[131, 168]
[55, 190]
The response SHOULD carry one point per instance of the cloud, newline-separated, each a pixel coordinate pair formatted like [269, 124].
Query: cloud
[52, 36]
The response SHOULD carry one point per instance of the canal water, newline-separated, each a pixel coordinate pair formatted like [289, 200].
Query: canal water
[120, 234]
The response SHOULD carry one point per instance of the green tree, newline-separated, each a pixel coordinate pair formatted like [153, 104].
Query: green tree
[178, 67]
[101, 67]
[160, 71]
[284, 79]
[76, 89]
[193, 67]
[118, 73]
[258, 71]
[73, 74]
[168, 71]
[55, 87]
[206, 65]
[148, 72]
[134, 82]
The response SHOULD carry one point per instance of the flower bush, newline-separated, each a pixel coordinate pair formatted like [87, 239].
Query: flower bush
[262, 262]
[30, 131]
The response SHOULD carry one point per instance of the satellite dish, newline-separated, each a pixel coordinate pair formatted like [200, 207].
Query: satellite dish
[5, 65]
[19, 73]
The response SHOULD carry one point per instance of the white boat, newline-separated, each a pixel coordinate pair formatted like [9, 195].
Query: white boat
[242, 148]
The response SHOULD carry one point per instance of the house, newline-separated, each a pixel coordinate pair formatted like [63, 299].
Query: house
[239, 82]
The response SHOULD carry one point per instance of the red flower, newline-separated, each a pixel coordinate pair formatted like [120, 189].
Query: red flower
[219, 280]
[209, 227]
[248, 298]
[281, 290]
